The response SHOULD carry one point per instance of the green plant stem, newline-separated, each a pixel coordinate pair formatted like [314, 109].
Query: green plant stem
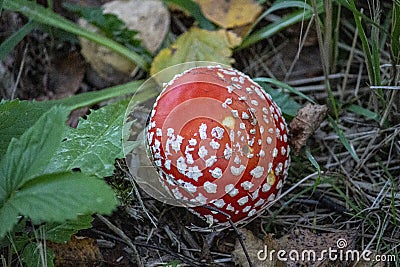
[325, 58]
[91, 98]
[40, 14]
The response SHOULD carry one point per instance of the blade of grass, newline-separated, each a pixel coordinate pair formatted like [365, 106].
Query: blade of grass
[40, 14]
[355, 12]
[325, 53]
[313, 161]
[284, 86]
[343, 139]
[395, 34]
[194, 9]
[364, 112]
[376, 51]
[279, 5]
[393, 186]
[8, 45]
[364, 42]
[353, 205]
[91, 98]
[316, 165]
[276, 27]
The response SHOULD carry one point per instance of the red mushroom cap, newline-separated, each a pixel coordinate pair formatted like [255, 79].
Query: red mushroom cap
[217, 138]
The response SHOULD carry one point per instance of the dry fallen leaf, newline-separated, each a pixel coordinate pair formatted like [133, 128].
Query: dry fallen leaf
[253, 246]
[303, 240]
[230, 14]
[151, 20]
[304, 124]
[79, 251]
[197, 45]
[287, 250]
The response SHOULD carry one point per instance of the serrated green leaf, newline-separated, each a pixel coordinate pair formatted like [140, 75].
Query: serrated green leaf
[17, 116]
[29, 155]
[62, 232]
[95, 144]
[63, 196]
[35, 255]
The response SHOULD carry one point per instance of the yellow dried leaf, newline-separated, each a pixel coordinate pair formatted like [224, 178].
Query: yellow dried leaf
[230, 14]
[197, 45]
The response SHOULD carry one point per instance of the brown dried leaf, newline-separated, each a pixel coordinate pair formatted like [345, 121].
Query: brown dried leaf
[305, 123]
[304, 240]
[299, 240]
[79, 251]
[253, 246]
[230, 14]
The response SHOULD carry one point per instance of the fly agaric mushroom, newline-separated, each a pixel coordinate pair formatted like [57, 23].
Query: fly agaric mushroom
[216, 138]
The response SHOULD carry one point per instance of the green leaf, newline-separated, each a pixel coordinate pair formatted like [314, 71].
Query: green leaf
[17, 116]
[62, 232]
[95, 144]
[283, 100]
[62, 196]
[29, 155]
[35, 254]
[8, 218]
